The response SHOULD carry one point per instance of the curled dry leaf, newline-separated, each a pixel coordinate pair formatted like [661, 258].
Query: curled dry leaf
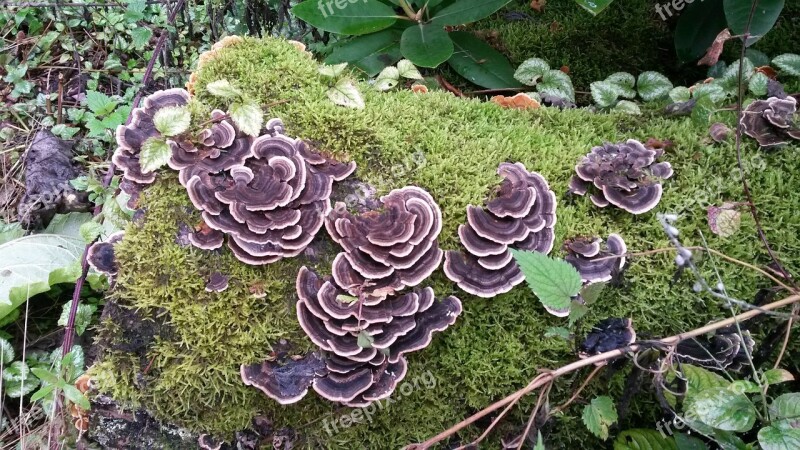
[419, 89]
[712, 54]
[538, 5]
[768, 71]
[519, 101]
[724, 220]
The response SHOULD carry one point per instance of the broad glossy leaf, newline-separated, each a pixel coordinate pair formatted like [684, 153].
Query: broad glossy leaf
[556, 83]
[554, 281]
[779, 436]
[426, 45]
[737, 12]
[680, 94]
[480, 63]
[466, 11]
[531, 71]
[605, 94]
[644, 439]
[653, 86]
[776, 376]
[625, 82]
[724, 409]
[699, 23]
[361, 17]
[786, 406]
[686, 442]
[370, 53]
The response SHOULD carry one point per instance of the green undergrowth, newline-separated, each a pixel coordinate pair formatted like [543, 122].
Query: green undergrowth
[451, 147]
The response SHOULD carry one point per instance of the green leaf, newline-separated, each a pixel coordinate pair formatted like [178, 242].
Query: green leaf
[480, 63]
[577, 311]
[625, 82]
[407, 70]
[82, 319]
[345, 93]
[554, 281]
[247, 116]
[686, 442]
[75, 396]
[44, 391]
[698, 26]
[346, 298]
[653, 86]
[560, 332]
[724, 409]
[757, 57]
[786, 406]
[363, 17]
[605, 94]
[531, 71]
[789, 63]
[47, 376]
[591, 292]
[154, 155]
[140, 36]
[387, 79]
[776, 376]
[365, 340]
[627, 107]
[68, 224]
[779, 436]
[539, 442]
[680, 94]
[558, 84]
[10, 231]
[702, 111]
[744, 386]
[31, 264]
[737, 12]
[223, 89]
[594, 6]
[17, 380]
[172, 120]
[90, 231]
[599, 415]
[426, 45]
[370, 53]
[643, 439]
[64, 132]
[6, 352]
[699, 379]
[466, 11]
[713, 91]
[332, 71]
[100, 103]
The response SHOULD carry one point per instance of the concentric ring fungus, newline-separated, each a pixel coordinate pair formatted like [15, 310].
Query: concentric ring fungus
[131, 138]
[624, 174]
[594, 260]
[520, 216]
[101, 255]
[725, 350]
[609, 334]
[389, 250]
[772, 122]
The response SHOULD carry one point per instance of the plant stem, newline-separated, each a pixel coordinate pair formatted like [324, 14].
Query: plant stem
[408, 10]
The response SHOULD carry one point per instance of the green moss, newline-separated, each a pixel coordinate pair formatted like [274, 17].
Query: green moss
[451, 147]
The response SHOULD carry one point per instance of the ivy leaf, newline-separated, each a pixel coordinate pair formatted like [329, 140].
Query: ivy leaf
[554, 281]
[724, 409]
[345, 93]
[17, 380]
[786, 406]
[779, 436]
[100, 104]
[680, 94]
[172, 120]
[367, 16]
[776, 376]
[154, 155]
[387, 79]
[223, 89]
[247, 116]
[531, 71]
[6, 352]
[90, 231]
[789, 63]
[407, 69]
[332, 71]
[644, 439]
[604, 94]
[82, 319]
[758, 84]
[558, 84]
[365, 340]
[625, 82]
[599, 415]
[426, 45]
[653, 86]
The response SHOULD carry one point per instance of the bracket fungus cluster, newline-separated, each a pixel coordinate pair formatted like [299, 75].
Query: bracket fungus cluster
[727, 349]
[594, 259]
[609, 334]
[772, 122]
[520, 216]
[625, 175]
[101, 256]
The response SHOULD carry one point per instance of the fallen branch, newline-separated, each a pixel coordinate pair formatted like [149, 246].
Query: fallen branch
[601, 358]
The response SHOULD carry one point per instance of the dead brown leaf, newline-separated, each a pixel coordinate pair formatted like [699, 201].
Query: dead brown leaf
[712, 54]
[538, 5]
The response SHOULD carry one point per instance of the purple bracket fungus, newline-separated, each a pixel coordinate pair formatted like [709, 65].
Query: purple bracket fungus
[285, 383]
[217, 282]
[389, 250]
[609, 334]
[367, 338]
[101, 255]
[624, 174]
[727, 349]
[772, 122]
[131, 138]
[520, 216]
[594, 263]
[208, 442]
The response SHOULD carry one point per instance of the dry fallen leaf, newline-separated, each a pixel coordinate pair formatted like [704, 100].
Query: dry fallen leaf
[519, 101]
[724, 220]
[419, 89]
[564, 69]
[712, 54]
[538, 5]
[768, 71]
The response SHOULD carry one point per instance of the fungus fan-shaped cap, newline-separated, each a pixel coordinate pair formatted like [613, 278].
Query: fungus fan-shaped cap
[596, 265]
[217, 282]
[771, 122]
[609, 334]
[287, 382]
[101, 257]
[465, 270]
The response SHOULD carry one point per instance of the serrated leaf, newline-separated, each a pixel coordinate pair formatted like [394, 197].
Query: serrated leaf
[366, 16]
[332, 71]
[554, 281]
[599, 415]
[345, 93]
[789, 63]
[407, 69]
[776, 376]
[786, 406]
[643, 439]
[365, 340]
[223, 89]
[627, 107]
[699, 379]
[17, 380]
[100, 103]
[560, 332]
[82, 318]
[653, 86]
[531, 71]
[172, 120]
[154, 155]
[558, 84]
[6, 352]
[31, 264]
[724, 409]
[779, 436]
[680, 94]
[387, 79]
[577, 311]
[605, 94]
[140, 36]
[625, 82]
[247, 116]
[591, 292]
[90, 231]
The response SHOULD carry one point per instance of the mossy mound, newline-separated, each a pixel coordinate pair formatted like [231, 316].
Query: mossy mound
[189, 374]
